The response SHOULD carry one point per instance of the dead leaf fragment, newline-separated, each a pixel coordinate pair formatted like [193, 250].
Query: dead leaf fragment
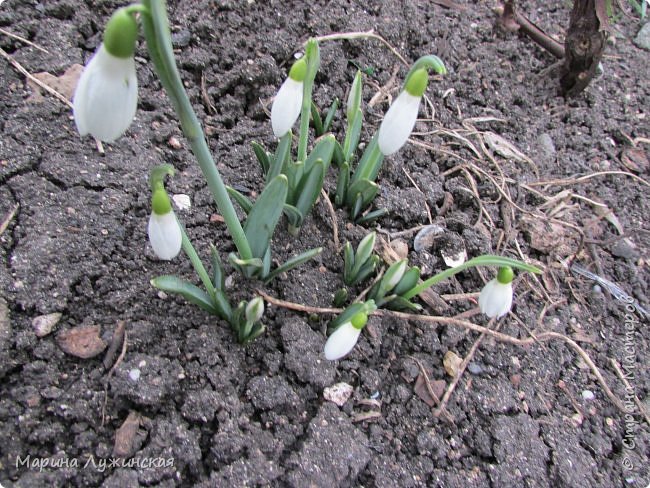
[635, 160]
[422, 391]
[603, 211]
[83, 342]
[546, 237]
[506, 149]
[64, 84]
[126, 436]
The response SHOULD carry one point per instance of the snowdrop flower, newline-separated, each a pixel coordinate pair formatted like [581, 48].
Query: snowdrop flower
[288, 102]
[106, 96]
[164, 230]
[343, 339]
[400, 119]
[496, 297]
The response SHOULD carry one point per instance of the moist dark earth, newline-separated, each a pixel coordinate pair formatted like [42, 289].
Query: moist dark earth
[209, 412]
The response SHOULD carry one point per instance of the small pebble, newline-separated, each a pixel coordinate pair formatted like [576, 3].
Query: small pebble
[588, 395]
[134, 374]
[44, 324]
[338, 393]
[174, 143]
[451, 362]
[475, 368]
[546, 143]
[182, 201]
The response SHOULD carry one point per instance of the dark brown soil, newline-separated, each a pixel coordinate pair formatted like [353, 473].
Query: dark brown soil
[219, 414]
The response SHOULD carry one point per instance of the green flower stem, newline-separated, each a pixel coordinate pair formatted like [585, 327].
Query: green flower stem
[313, 62]
[487, 260]
[156, 28]
[197, 263]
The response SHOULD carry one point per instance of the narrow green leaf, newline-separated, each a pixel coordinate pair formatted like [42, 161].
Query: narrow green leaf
[293, 215]
[265, 214]
[310, 188]
[366, 188]
[352, 136]
[330, 115]
[262, 157]
[370, 163]
[395, 302]
[370, 216]
[266, 263]
[242, 200]
[281, 157]
[293, 262]
[342, 183]
[316, 120]
[408, 281]
[222, 305]
[357, 207]
[354, 97]
[248, 267]
[293, 172]
[323, 150]
[218, 277]
[337, 157]
[366, 270]
[348, 263]
[364, 251]
[189, 291]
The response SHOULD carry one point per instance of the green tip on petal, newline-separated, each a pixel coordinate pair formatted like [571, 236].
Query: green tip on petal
[298, 70]
[359, 320]
[417, 82]
[160, 203]
[121, 34]
[505, 275]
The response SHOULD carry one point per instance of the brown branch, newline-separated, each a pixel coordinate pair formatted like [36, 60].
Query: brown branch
[512, 19]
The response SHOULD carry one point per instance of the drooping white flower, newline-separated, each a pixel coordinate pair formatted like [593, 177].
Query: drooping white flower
[106, 96]
[345, 337]
[341, 342]
[165, 235]
[288, 101]
[164, 230]
[400, 119]
[495, 299]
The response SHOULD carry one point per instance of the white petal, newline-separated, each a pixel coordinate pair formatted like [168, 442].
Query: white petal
[106, 96]
[495, 299]
[165, 235]
[341, 342]
[398, 123]
[286, 106]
